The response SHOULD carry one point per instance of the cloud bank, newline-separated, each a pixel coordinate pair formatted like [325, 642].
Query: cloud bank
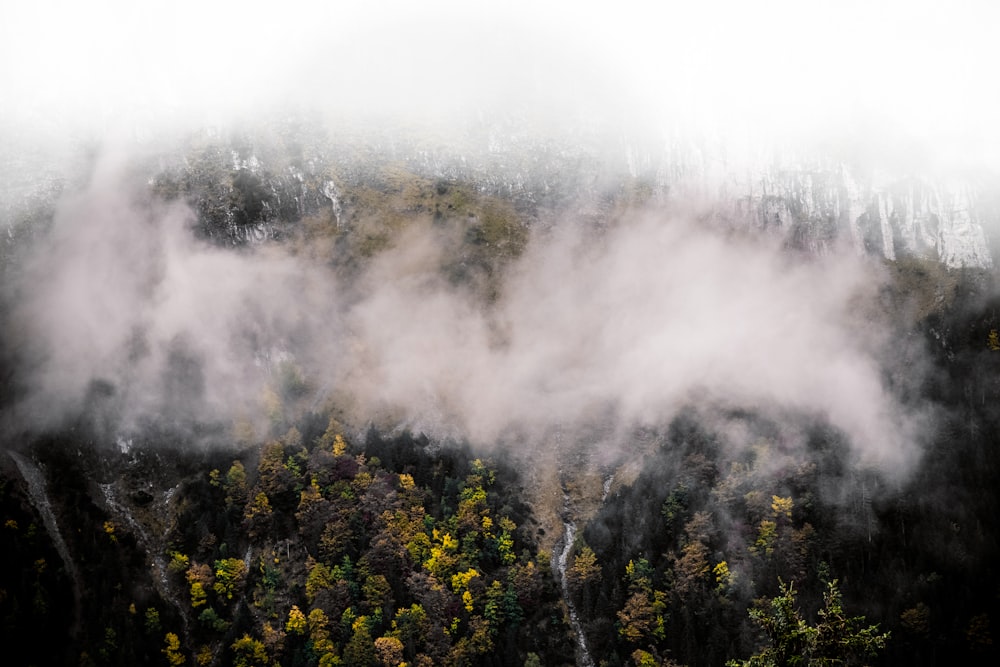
[121, 306]
[622, 326]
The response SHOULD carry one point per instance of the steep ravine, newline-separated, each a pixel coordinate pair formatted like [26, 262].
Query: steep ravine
[583, 656]
[150, 544]
[39, 497]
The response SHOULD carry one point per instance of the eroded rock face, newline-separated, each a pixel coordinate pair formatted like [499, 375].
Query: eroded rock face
[817, 202]
[244, 198]
[247, 188]
[890, 217]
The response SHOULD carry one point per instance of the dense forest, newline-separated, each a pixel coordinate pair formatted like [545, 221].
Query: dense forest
[305, 535]
[305, 551]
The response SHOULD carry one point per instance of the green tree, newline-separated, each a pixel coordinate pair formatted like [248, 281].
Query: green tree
[229, 576]
[152, 620]
[360, 649]
[249, 652]
[410, 624]
[842, 639]
[211, 619]
[318, 578]
[235, 485]
[836, 640]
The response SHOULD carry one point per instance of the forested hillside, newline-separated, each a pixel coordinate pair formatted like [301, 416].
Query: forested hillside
[337, 499]
[309, 550]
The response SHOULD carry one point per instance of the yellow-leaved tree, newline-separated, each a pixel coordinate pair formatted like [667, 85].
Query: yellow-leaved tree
[173, 649]
[296, 624]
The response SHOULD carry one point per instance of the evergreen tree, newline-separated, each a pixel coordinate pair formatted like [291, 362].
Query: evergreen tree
[836, 640]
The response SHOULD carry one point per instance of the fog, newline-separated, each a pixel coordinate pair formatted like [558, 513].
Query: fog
[124, 314]
[655, 316]
[120, 305]
[910, 76]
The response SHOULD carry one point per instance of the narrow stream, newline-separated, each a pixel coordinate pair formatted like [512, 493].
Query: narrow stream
[583, 657]
[39, 497]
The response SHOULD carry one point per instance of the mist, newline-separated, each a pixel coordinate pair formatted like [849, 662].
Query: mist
[683, 300]
[123, 313]
[121, 305]
[912, 77]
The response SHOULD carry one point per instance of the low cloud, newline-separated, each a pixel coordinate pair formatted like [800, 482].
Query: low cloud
[639, 322]
[619, 327]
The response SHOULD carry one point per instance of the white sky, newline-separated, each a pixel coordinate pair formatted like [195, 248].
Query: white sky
[926, 71]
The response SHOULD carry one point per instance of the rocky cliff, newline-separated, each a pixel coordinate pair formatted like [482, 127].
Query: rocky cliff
[245, 190]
